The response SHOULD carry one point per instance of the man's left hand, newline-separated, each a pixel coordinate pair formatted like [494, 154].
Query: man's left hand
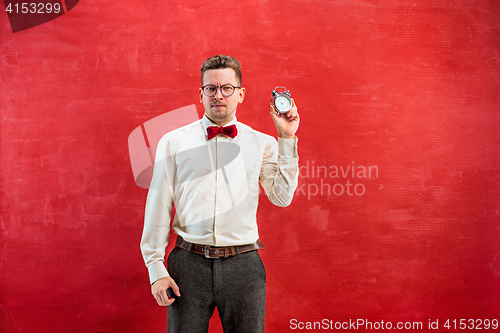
[286, 124]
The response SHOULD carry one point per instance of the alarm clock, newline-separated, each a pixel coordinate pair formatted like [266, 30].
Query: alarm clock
[281, 100]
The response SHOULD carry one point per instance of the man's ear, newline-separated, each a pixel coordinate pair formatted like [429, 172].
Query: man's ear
[241, 95]
[200, 91]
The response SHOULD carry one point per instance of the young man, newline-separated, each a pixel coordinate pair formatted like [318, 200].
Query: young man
[210, 170]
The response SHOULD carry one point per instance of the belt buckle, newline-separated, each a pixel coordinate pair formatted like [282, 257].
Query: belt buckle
[206, 252]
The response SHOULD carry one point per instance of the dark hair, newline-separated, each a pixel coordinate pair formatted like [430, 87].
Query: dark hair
[221, 62]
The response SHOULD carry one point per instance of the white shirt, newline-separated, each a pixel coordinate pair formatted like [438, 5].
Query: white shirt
[214, 185]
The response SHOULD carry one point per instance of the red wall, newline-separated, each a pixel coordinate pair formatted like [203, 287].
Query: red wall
[408, 88]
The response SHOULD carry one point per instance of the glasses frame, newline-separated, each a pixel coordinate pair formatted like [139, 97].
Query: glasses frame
[219, 88]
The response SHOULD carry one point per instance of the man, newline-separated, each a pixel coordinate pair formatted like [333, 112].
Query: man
[210, 171]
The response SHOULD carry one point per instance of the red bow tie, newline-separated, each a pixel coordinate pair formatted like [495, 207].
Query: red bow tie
[213, 131]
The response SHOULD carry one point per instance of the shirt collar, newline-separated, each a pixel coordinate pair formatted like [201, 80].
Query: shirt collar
[205, 122]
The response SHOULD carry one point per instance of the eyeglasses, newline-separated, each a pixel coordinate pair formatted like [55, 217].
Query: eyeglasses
[226, 90]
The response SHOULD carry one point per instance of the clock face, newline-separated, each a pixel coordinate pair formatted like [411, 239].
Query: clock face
[283, 103]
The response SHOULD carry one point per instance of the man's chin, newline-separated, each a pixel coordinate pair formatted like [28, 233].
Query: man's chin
[220, 116]
[219, 112]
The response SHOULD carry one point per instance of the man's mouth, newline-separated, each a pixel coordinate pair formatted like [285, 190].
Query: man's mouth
[218, 105]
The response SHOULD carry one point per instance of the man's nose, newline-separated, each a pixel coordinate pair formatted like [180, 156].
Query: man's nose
[218, 93]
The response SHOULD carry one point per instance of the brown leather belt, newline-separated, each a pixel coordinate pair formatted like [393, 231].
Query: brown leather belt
[217, 251]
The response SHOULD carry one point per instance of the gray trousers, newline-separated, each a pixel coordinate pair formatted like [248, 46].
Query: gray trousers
[235, 285]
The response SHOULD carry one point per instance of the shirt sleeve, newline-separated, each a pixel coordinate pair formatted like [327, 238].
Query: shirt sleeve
[279, 171]
[158, 211]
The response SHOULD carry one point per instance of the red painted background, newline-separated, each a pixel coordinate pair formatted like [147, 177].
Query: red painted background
[409, 88]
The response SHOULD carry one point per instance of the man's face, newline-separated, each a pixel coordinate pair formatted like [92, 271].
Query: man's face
[219, 108]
